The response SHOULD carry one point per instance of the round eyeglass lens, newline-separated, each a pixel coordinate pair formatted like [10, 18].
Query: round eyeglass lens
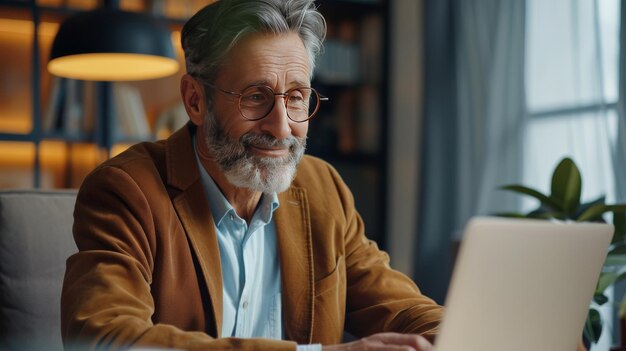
[301, 104]
[257, 102]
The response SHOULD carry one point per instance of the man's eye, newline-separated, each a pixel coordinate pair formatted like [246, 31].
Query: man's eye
[255, 98]
[298, 95]
[296, 98]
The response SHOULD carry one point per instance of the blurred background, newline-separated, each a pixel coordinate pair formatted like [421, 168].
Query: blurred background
[434, 104]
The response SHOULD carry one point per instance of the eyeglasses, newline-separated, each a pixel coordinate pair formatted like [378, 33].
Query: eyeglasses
[257, 101]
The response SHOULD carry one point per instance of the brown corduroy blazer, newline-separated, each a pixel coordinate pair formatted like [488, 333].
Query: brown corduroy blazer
[148, 268]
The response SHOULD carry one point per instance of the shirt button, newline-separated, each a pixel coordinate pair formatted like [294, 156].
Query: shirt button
[245, 305]
[232, 218]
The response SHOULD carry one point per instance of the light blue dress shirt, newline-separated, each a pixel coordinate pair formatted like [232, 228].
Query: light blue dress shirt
[252, 305]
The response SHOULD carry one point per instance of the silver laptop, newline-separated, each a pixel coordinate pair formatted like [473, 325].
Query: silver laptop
[522, 284]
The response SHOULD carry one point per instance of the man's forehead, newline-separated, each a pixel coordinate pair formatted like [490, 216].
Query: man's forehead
[262, 43]
[263, 58]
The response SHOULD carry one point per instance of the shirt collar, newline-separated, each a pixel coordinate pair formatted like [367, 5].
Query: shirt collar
[220, 207]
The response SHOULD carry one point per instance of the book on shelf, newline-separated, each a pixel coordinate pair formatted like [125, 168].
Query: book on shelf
[130, 112]
[64, 110]
[71, 107]
[345, 112]
[353, 52]
[369, 119]
[339, 62]
[73, 111]
[54, 106]
[358, 119]
[371, 44]
[89, 106]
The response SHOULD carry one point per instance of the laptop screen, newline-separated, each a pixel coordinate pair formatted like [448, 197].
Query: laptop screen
[522, 284]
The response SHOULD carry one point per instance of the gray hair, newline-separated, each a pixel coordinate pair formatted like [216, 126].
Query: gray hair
[210, 34]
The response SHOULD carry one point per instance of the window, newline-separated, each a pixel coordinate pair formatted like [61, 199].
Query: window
[572, 50]
[572, 66]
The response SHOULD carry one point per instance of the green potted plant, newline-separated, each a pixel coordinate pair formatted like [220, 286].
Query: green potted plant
[564, 204]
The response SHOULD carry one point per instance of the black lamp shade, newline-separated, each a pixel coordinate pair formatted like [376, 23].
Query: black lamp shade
[112, 45]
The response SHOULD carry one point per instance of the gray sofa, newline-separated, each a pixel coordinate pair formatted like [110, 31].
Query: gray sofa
[35, 241]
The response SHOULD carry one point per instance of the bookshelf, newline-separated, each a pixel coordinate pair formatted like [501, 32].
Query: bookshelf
[39, 149]
[350, 131]
[51, 130]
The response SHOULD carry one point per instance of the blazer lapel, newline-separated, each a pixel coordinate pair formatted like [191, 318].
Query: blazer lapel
[195, 215]
[293, 232]
[193, 210]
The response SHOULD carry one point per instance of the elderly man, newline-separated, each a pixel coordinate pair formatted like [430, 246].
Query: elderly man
[225, 236]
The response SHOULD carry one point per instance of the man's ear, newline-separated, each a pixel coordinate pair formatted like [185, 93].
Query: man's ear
[194, 99]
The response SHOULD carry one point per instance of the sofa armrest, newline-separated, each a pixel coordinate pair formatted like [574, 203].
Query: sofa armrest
[35, 240]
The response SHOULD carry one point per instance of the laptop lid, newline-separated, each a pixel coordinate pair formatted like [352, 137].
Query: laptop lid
[522, 284]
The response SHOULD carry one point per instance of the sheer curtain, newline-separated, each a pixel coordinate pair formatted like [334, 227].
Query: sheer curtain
[572, 73]
[473, 123]
[572, 77]
[491, 106]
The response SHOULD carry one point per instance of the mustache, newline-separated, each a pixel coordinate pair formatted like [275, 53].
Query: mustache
[265, 140]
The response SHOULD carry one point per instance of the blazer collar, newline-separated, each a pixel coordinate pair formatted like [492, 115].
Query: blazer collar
[182, 170]
[193, 210]
[293, 230]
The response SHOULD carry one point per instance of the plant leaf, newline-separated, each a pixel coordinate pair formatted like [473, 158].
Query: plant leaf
[600, 299]
[544, 199]
[586, 205]
[593, 213]
[609, 278]
[619, 249]
[606, 280]
[593, 326]
[619, 221]
[566, 186]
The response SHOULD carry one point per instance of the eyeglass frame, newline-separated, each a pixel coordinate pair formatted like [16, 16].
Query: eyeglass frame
[284, 97]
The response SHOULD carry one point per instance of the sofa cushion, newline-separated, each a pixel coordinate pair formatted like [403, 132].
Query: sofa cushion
[35, 240]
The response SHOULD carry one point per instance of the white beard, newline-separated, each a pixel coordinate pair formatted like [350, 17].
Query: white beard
[246, 170]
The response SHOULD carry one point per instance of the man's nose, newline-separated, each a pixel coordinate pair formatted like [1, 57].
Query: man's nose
[276, 123]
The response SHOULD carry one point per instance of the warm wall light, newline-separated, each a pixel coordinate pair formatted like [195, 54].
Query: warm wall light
[112, 45]
[16, 26]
